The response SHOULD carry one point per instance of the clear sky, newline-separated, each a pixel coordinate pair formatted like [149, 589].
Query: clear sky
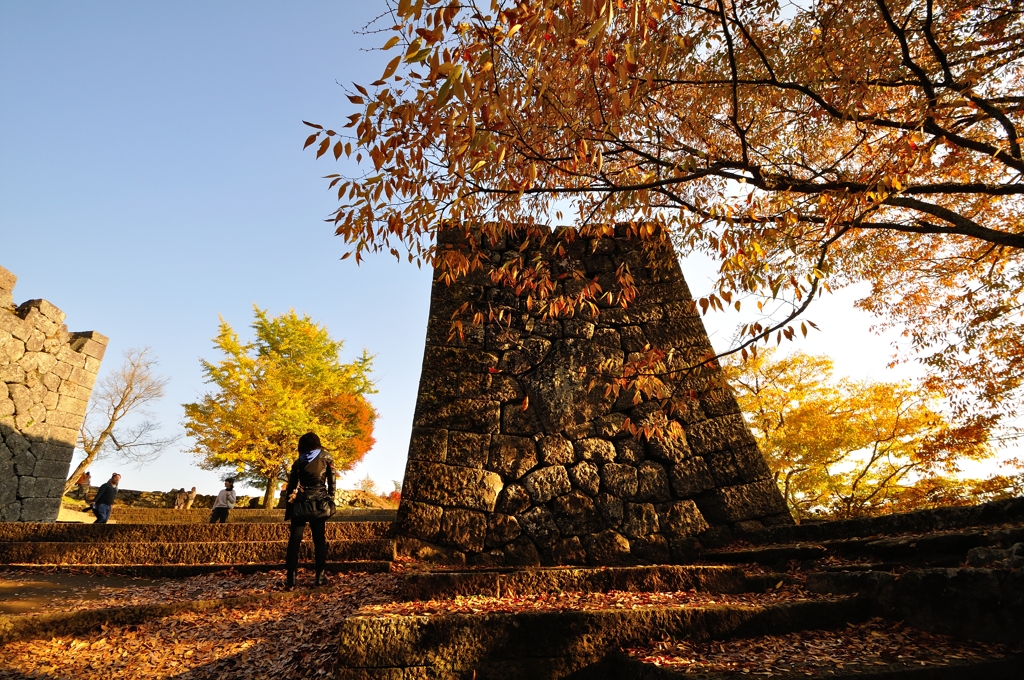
[152, 178]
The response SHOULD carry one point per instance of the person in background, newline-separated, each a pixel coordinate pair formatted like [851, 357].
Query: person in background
[190, 498]
[105, 498]
[225, 501]
[179, 499]
[84, 482]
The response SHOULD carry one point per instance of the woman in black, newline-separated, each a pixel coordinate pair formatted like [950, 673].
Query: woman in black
[311, 478]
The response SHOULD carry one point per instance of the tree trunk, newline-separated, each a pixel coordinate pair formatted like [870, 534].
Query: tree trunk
[69, 485]
[269, 498]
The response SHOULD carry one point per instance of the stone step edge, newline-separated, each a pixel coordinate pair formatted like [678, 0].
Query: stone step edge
[446, 585]
[453, 643]
[34, 626]
[890, 547]
[619, 666]
[186, 570]
[71, 532]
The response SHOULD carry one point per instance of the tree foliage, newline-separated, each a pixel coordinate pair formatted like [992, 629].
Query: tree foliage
[111, 426]
[266, 393]
[846, 448]
[805, 146]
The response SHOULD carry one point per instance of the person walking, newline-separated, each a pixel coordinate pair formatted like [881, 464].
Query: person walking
[225, 501]
[190, 498]
[105, 498]
[84, 482]
[309, 500]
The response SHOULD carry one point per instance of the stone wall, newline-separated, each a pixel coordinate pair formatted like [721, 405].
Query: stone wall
[561, 482]
[46, 377]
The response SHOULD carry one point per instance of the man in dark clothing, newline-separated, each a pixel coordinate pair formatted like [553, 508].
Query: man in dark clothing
[105, 498]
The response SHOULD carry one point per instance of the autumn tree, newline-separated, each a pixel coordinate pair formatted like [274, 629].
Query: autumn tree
[118, 422]
[266, 393]
[805, 146]
[845, 448]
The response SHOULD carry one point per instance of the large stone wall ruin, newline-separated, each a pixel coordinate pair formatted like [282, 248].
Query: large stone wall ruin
[561, 482]
[46, 378]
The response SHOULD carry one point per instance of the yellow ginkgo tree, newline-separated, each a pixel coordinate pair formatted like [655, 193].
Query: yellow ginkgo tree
[267, 393]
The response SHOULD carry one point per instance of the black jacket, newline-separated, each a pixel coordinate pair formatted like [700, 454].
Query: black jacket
[316, 477]
[106, 494]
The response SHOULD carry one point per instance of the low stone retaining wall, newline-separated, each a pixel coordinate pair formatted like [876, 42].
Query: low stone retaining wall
[179, 533]
[978, 604]
[448, 585]
[921, 521]
[553, 644]
[230, 552]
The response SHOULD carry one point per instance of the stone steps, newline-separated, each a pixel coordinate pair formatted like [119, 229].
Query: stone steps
[441, 585]
[621, 667]
[179, 533]
[948, 548]
[129, 515]
[216, 552]
[544, 645]
[186, 570]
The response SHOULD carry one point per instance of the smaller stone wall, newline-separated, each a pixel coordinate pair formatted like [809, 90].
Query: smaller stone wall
[46, 379]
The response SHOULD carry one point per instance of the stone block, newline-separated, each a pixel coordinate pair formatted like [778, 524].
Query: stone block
[39, 509]
[459, 359]
[513, 500]
[501, 530]
[576, 514]
[27, 487]
[6, 407]
[43, 307]
[539, 524]
[681, 519]
[569, 551]
[611, 509]
[560, 388]
[595, 450]
[419, 519]
[671, 449]
[556, 450]
[608, 548]
[652, 483]
[476, 415]
[451, 485]
[750, 463]
[24, 462]
[468, 449]
[652, 549]
[50, 469]
[629, 450]
[72, 405]
[516, 420]
[690, 477]
[463, 529]
[716, 434]
[512, 456]
[12, 373]
[547, 483]
[639, 519]
[7, 281]
[741, 502]
[90, 344]
[36, 320]
[521, 553]
[428, 444]
[619, 479]
[723, 468]
[585, 477]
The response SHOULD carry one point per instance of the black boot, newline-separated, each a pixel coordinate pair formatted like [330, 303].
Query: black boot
[289, 580]
[321, 578]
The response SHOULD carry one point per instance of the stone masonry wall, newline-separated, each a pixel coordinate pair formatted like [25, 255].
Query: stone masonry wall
[46, 377]
[561, 482]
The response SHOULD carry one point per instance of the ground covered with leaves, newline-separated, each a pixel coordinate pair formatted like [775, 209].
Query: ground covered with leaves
[858, 647]
[285, 638]
[574, 601]
[44, 593]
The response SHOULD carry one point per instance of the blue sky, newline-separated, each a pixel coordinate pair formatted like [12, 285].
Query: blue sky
[152, 178]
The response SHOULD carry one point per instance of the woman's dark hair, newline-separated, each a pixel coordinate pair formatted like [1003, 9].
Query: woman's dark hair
[309, 442]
